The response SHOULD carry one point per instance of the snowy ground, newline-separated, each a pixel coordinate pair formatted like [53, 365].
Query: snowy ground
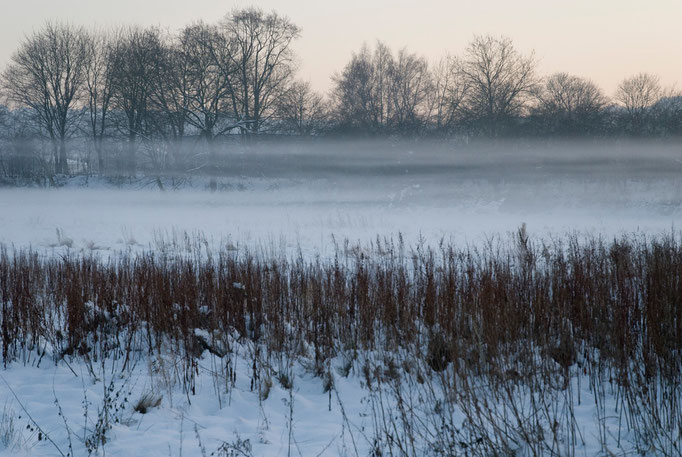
[66, 401]
[180, 424]
[286, 200]
[282, 210]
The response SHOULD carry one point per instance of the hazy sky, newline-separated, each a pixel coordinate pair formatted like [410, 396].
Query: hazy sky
[604, 40]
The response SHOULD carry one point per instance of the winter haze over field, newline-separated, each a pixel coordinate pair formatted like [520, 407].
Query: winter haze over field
[303, 195]
[290, 197]
[355, 229]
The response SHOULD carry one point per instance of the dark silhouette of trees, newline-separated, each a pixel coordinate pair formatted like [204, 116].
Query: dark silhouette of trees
[637, 95]
[357, 96]
[4, 122]
[209, 83]
[301, 110]
[172, 93]
[169, 96]
[666, 114]
[99, 73]
[409, 86]
[379, 93]
[261, 57]
[136, 62]
[500, 82]
[570, 105]
[46, 75]
[447, 96]
[211, 78]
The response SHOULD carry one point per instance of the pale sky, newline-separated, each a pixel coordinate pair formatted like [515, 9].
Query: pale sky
[604, 40]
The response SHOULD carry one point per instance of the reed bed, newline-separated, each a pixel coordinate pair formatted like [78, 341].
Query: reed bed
[525, 314]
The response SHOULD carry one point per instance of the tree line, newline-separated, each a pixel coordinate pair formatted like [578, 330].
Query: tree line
[493, 90]
[152, 93]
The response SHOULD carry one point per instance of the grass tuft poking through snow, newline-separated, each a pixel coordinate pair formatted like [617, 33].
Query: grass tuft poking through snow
[146, 402]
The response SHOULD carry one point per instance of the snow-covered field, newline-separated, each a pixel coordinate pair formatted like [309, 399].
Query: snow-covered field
[284, 209]
[180, 424]
[67, 402]
[300, 200]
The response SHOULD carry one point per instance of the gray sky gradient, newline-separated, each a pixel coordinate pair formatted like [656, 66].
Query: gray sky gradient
[604, 40]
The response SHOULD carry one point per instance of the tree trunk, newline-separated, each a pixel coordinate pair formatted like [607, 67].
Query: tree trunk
[100, 156]
[131, 155]
[64, 166]
[212, 162]
[55, 152]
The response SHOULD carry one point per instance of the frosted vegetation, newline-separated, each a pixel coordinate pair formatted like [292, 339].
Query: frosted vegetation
[200, 255]
[350, 298]
[520, 347]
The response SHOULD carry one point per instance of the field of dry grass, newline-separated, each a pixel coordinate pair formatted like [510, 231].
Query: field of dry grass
[506, 332]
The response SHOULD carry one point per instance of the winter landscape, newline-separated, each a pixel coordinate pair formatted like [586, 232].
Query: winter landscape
[203, 254]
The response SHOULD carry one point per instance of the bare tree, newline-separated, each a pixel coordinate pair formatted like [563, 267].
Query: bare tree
[207, 53]
[379, 93]
[354, 92]
[301, 109]
[637, 95]
[500, 81]
[570, 104]
[101, 48]
[211, 78]
[20, 154]
[168, 106]
[410, 85]
[263, 59]
[170, 93]
[46, 74]
[447, 96]
[4, 122]
[666, 113]
[135, 63]
[381, 103]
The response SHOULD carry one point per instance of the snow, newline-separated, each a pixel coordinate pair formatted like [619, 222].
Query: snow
[65, 399]
[310, 216]
[285, 214]
[58, 394]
